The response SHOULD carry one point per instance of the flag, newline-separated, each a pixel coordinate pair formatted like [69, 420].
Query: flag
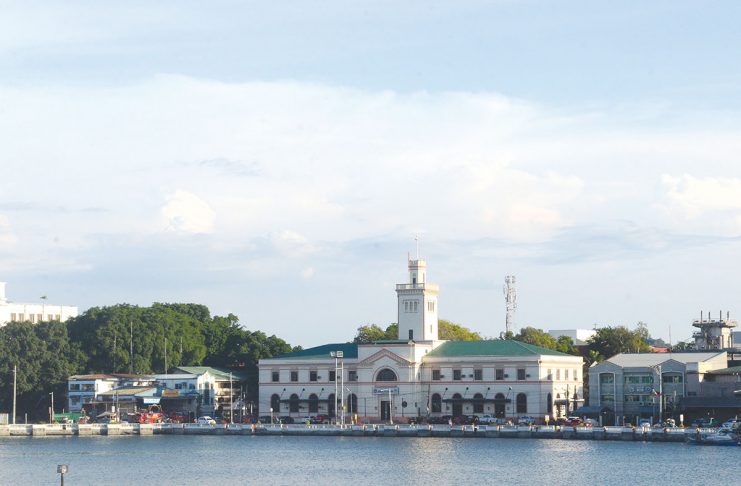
[656, 394]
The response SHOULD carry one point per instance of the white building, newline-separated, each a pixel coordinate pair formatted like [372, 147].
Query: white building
[84, 390]
[420, 375]
[16, 312]
[578, 336]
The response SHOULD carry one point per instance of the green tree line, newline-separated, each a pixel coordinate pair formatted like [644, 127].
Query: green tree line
[100, 341]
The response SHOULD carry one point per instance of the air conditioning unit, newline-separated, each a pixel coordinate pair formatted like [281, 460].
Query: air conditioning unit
[442, 376]
[470, 376]
[527, 376]
[506, 376]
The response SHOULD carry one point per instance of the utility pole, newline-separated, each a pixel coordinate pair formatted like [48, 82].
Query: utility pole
[15, 380]
[131, 347]
[342, 387]
[51, 415]
[165, 356]
[231, 400]
[114, 352]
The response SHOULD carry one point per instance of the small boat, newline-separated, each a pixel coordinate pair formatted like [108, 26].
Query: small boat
[723, 436]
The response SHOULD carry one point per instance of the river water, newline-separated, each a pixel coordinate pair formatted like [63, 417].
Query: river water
[227, 460]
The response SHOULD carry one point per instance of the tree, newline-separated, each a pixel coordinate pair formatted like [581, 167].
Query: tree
[451, 331]
[536, 337]
[370, 333]
[609, 341]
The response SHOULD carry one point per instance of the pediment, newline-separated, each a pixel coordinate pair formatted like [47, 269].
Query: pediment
[384, 353]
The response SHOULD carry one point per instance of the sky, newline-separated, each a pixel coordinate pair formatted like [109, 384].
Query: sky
[275, 160]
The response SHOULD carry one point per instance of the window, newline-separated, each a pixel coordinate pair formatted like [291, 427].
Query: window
[521, 403]
[406, 306]
[478, 403]
[576, 375]
[276, 375]
[332, 375]
[436, 375]
[558, 375]
[13, 316]
[40, 317]
[457, 375]
[294, 375]
[549, 404]
[32, 317]
[521, 374]
[549, 376]
[74, 387]
[312, 375]
[647, 379]
[313, 403]
[21, 317]
[478, 374]
[436, 403]
[672, 378]
[606, 378]
[499, 374]
[606, 398]
[352, 375]
[411, 334]
[57, 317]
[566, 374]
[386, 375]
[178, 386]
[275, 403]
[293, 404]
[415, 306]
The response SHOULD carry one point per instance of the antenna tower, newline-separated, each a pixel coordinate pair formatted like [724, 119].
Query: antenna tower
[510, 299]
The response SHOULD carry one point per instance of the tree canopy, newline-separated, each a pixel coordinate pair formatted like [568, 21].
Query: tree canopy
[539, 337]
[447, 330]
[100, 341]
[609, 341]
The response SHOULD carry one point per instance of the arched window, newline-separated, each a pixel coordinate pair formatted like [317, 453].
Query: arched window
[331, 405]
[313, 403]
[549, 404]
[521, 403]
[478, 403]
[386, 374]
[499, 402]
[436, 403]
[275, 403]
[293, 403]
[352, 403]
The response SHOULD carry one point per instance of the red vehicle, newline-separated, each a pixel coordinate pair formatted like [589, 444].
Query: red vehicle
[179, 417]
[153, 415]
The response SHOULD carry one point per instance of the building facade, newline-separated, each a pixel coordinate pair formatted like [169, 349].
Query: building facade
[630, 386]
[18, 312]
[419, 375]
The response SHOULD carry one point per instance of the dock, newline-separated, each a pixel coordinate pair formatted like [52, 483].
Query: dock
[370, 430]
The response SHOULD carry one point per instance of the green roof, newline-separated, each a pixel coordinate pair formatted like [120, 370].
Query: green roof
[491, 347]
[390, 341]
[217, 372]
[734, 370]
[350, 350]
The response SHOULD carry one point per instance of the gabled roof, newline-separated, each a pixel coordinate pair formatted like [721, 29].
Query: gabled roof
[642, 360]
[350, 350]
[221, 373]
[490, 347]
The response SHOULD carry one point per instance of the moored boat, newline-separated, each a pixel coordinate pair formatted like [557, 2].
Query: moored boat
[723, 436]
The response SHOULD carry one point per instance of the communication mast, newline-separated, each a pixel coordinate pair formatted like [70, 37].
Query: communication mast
[510, 299]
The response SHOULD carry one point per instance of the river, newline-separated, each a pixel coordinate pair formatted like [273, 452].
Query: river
[225, 460]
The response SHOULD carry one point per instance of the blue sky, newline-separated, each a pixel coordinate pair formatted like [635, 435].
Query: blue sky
[276, 161]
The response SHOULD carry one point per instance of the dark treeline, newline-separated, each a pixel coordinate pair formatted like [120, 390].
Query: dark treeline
[99, 340]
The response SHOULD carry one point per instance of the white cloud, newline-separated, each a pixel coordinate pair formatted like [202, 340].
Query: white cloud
[7, 238]
[186, 212]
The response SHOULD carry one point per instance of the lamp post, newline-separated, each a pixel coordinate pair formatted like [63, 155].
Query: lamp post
[62, 470]
[337, 355]
[51, 414]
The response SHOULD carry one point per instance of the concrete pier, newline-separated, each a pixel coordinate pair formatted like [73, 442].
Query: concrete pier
[380, 430]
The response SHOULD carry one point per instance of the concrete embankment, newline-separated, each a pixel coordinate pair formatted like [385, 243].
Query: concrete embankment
[519, 432]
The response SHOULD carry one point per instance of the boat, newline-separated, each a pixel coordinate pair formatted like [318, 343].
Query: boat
[722, 436]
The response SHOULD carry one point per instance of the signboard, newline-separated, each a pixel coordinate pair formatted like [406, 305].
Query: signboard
[170, 393]
[382, 391]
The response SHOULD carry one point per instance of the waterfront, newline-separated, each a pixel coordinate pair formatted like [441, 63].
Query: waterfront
[361, 460]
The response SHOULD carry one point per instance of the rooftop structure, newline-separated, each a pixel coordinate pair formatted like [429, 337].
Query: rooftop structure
[714, 333]
[42, 312]
[578, 336]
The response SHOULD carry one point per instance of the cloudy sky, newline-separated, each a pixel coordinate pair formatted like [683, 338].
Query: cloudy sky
[276, 162]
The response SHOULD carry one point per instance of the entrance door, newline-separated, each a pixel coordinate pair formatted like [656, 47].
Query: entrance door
[499, 405]
[385, 410]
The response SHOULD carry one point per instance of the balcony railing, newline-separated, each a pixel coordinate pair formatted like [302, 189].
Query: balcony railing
[417, 286]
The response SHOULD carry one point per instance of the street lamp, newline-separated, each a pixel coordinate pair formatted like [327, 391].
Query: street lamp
[338, 355]
[51, 415]
[62, 470]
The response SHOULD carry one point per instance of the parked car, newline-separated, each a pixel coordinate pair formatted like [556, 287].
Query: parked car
[320, 419]
[286, 420]
[525, 420]
[705, 422]
[303, 420]
[205, 420]
[487, 420]
[644, 423]
[266, 419]
[591, 423]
